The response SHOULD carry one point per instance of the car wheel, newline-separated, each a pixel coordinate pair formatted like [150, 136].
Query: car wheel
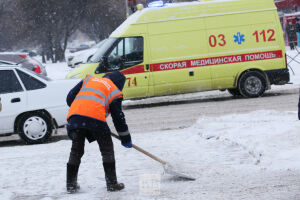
[34, 128]
[252, 84]
[234, 92]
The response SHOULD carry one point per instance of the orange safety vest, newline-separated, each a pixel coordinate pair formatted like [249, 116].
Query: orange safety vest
[94, 98]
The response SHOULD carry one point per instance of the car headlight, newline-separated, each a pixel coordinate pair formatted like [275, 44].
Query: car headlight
[70, 58]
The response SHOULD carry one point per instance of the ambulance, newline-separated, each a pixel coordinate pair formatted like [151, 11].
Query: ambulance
[178, 48]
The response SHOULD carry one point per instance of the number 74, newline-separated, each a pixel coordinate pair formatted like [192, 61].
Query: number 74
[133, 82]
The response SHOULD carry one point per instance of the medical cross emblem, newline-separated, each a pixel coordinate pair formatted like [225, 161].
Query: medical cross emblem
[239, 38]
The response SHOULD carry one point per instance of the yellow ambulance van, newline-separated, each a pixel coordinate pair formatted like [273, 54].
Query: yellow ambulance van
[197, 46]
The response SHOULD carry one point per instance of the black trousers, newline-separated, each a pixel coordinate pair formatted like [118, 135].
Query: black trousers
[78, 137]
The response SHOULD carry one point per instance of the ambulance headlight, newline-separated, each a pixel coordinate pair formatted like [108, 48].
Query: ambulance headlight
[156, 4]
[76, 76]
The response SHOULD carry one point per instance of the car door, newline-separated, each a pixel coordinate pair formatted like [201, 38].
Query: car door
[36, 97]
[128, 56]
[13, 99]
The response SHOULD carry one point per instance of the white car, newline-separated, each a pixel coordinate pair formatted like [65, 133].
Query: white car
[32, 104]
[79, 57]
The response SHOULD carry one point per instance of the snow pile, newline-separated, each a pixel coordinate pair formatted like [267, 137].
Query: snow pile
[271, 137]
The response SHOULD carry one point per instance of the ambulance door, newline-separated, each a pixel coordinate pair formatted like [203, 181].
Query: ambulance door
[175, 67]
[169, 72]
[128, 57]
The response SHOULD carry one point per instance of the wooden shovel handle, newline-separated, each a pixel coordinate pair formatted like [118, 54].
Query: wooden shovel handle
[143, 151]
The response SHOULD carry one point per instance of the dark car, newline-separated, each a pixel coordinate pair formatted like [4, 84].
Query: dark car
[29, 52]
[23, 60]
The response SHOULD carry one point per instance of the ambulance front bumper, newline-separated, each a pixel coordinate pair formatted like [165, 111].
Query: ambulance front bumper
[278, 76]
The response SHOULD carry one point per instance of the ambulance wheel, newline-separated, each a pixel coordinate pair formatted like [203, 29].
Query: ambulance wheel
[34, 127]
[234, 92]
[252, 84]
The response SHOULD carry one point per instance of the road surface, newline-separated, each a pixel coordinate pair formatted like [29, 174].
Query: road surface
[181, 111]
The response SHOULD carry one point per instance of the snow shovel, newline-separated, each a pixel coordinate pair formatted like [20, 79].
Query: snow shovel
[167, 167]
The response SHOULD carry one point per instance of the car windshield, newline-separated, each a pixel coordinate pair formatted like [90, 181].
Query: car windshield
[98, 45]
[102, 50]
[39, 75]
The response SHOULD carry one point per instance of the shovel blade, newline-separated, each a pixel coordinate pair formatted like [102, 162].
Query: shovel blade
[170, 170]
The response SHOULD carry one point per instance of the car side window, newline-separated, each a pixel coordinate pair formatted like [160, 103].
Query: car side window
[30, 82]
[127, 53]
[9, 82]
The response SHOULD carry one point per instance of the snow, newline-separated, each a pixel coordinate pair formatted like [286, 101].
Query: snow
[292, 14]
[238, 156]
[294, 66]
[210, 151]
[271, 137]
[57, 70]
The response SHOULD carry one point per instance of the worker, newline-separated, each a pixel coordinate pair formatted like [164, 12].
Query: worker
[291, 33]
[90, 101]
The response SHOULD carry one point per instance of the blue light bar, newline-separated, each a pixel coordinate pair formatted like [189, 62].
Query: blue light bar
[156, 4]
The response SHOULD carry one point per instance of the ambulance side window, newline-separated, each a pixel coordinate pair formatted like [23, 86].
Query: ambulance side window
[134, 51]
[127, 53]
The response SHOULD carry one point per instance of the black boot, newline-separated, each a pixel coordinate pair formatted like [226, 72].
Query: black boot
[111, 178]
[72, 172]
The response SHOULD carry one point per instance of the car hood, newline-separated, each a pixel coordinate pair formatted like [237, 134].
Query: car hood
[78, 53]
[65, 84]
[83, 56]
[59, 89]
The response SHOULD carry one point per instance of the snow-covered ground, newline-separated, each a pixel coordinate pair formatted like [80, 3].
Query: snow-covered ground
[237, 156]
[228, 156]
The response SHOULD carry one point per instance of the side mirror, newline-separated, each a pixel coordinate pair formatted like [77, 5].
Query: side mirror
[102, 67]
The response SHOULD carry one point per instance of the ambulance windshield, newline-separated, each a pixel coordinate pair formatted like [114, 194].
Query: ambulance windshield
[123, 53]
[102, 50]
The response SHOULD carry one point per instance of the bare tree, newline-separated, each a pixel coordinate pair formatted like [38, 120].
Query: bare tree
[52, 22]
[102, 17]
[48, 24]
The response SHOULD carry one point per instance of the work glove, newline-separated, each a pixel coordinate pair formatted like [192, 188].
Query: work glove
[126, 141]
[127, 144]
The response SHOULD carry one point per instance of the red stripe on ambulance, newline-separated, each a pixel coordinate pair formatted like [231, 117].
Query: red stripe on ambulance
[134, 70]
[217, 60]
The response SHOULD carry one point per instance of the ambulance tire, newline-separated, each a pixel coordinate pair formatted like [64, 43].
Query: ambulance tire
[252, 84]
[234, 92]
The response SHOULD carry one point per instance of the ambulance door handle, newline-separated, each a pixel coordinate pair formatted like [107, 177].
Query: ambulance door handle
[191, 72]
[147, 67]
